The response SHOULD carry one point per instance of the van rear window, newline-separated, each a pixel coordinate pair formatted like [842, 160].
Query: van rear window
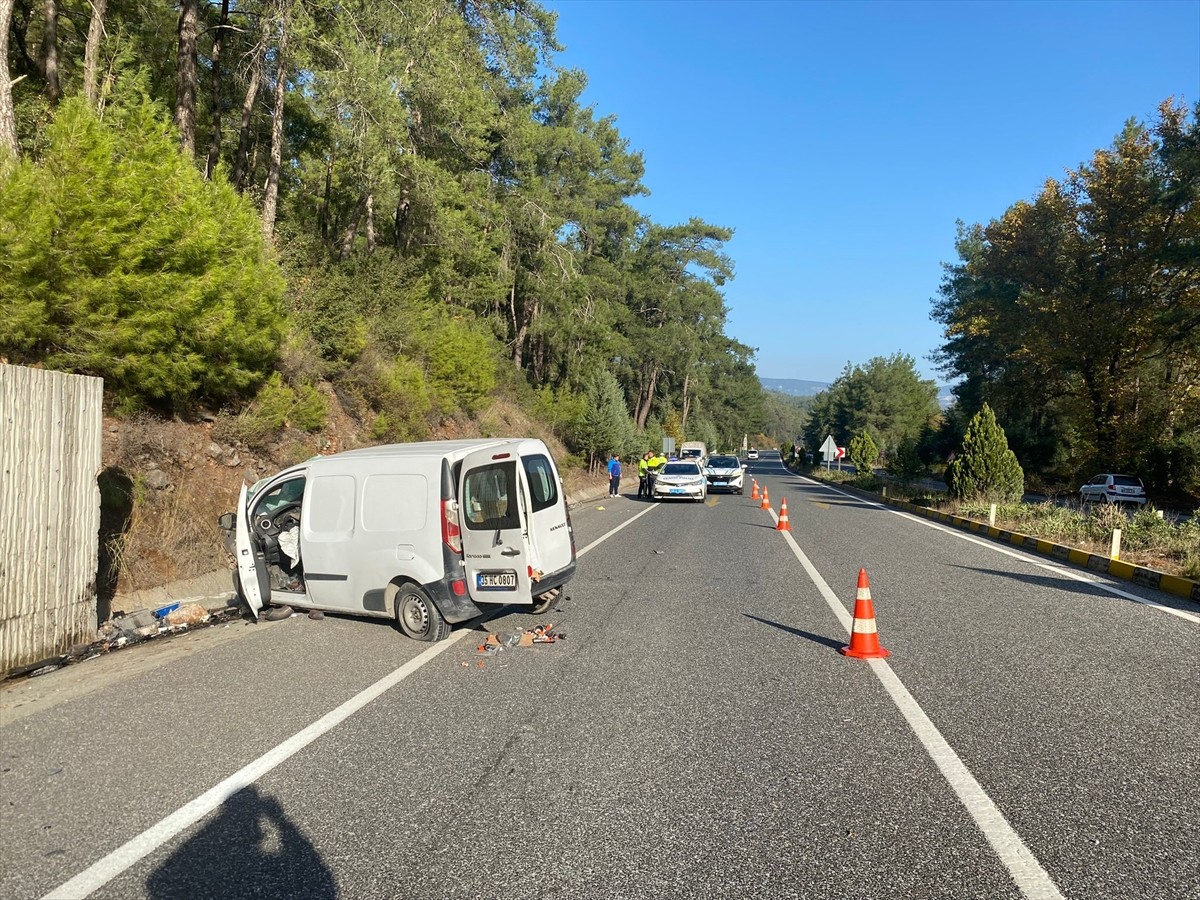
[543, 487]
[490, 497]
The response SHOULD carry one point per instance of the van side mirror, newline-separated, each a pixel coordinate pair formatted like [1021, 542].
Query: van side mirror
[227, 521]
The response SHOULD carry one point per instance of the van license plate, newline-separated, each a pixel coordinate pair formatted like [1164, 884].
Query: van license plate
[496, 581]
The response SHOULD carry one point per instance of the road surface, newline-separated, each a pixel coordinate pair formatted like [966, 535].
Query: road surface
[1033, 734]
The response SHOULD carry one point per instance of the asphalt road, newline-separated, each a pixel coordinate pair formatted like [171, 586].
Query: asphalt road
[1034, 733]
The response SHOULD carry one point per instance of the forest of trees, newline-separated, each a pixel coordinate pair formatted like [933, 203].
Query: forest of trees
[1076, 316]
[1074, 319]
[212, 200]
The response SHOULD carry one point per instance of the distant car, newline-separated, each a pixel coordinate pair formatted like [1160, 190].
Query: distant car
[1110, 488]
[751, 453]
[725, 473]
[681, 479]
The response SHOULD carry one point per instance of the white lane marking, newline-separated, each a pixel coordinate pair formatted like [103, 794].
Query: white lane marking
[109, 867]
[608, 534]
[1025, 557]
[100, 873]
[1031, 879]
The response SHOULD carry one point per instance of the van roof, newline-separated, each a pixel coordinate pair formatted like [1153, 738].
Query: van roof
[454, 449]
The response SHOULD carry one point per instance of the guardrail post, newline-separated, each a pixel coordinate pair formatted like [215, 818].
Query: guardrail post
[992, 516]
[1116, 543]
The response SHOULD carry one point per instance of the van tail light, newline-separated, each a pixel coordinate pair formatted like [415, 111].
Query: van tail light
[451, 533]
[459, 587]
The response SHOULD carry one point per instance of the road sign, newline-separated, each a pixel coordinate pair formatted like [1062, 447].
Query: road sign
[829, 448]
[841, 452]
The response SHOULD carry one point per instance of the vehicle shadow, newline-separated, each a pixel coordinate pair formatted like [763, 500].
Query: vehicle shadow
[807, 635]
[250, 849]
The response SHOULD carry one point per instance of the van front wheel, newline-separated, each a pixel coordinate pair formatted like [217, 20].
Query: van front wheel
[418, 617]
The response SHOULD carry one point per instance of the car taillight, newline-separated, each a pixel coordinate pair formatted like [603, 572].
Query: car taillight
[451, 533]
[1112, 488]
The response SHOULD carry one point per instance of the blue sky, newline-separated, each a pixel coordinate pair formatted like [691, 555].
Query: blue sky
[841, 141]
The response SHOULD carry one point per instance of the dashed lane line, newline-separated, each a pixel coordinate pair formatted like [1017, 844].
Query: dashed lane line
[128, 854]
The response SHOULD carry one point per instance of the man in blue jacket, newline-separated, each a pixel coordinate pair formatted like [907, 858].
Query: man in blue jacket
[614, 476]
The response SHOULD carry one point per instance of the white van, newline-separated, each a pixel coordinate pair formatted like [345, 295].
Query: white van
[419, 533]
[694, 451]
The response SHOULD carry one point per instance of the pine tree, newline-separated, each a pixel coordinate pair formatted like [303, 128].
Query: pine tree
[863, 453]
[985, 468]
[118, 259]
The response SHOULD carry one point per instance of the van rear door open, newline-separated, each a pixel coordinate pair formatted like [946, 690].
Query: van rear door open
[495, 553]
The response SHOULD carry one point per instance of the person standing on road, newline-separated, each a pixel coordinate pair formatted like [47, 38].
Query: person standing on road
[614, 476]
[643, 476]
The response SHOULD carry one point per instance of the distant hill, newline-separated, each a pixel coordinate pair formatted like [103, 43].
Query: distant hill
[796, 387]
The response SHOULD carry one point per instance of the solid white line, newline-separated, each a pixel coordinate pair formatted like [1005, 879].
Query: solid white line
[1025, 557]
[1032, 880]
[116, 862]
[109, 867]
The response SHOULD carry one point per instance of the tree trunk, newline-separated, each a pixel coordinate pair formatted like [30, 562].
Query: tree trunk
[352, 230]
[241, 168]
[644, 411]
[8, 121]
[687, 403]
[519, 327]
[323, 213]
[50, 53]
[214, 147]
[370, 223]
[271, 189]
[91, 54]
[185, 76]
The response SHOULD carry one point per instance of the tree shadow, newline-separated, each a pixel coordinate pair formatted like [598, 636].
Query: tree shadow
[807, 635]
[250, 849]
[1087, 588]
[116, 511]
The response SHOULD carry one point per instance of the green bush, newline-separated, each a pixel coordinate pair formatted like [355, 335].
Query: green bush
[905, 464]
[985, 468]
[119, 259]
[863, 453]
[462, 366]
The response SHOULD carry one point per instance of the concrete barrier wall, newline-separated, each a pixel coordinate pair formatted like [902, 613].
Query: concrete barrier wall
[50, 450]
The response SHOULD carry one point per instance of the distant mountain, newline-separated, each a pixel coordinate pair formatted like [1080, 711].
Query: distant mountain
[796, 387]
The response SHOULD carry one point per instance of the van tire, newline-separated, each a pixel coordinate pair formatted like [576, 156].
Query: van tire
[418, 617]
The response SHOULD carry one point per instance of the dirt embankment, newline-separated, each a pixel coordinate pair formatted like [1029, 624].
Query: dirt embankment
[165, 482]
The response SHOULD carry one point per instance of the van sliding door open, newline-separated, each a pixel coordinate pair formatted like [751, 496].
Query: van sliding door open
[493, 534]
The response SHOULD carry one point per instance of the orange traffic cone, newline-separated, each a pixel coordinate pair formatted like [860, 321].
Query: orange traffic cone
[784, 524]
[766, 504]
[864, 640]
[754, 493]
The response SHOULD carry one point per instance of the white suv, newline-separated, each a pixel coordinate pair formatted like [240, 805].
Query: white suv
[1111, 488]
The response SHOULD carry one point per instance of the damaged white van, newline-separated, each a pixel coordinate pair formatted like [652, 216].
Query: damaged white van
[419, 533]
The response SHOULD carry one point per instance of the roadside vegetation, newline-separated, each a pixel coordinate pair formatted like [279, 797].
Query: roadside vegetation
[1146, 539]
[292, 227]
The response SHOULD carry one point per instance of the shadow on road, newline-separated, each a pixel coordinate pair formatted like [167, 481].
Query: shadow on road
[1091, 589]
[807, 635]
[251, 849]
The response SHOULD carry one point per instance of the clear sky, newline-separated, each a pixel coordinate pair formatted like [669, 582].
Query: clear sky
[841, 141]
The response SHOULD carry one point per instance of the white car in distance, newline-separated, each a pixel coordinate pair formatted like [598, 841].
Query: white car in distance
[682, 480]
[725, 473]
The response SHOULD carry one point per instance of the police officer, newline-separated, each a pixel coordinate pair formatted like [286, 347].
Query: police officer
[643, 475]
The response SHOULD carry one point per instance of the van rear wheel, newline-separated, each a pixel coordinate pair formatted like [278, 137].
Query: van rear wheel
[418, 617]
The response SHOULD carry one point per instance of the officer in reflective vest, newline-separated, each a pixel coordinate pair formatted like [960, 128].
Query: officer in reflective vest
[643, 477]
